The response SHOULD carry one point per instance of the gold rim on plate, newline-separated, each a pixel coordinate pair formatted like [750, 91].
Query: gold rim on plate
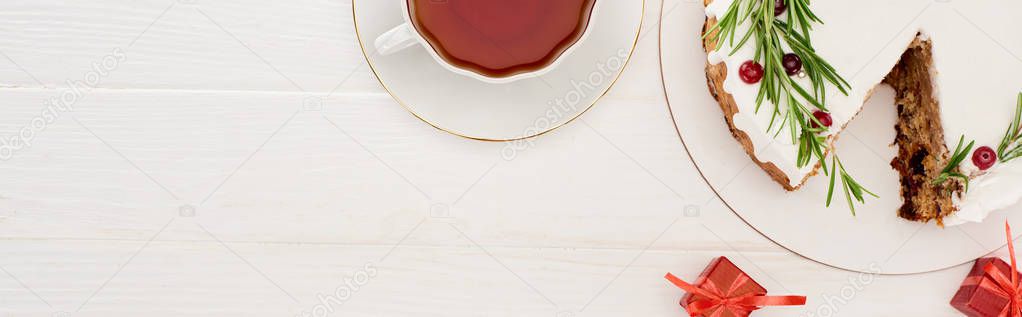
[670, 110]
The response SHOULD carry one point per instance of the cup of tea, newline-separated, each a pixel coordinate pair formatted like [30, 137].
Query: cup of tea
[495, 41]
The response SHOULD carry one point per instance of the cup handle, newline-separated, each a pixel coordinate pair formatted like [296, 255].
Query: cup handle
[399, 38]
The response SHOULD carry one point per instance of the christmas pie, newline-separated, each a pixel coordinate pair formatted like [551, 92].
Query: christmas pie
[789, 75]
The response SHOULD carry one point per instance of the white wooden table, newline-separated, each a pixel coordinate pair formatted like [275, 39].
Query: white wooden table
[237, 158]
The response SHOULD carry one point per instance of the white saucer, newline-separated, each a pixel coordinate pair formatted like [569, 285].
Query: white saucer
[471, 108]
[876, 240]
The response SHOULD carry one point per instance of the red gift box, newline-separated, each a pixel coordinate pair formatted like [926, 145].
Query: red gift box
[972, 299]
[992, 287]
[724, 290]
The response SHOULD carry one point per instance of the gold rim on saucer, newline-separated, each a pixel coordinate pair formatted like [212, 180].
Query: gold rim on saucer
[372, 68]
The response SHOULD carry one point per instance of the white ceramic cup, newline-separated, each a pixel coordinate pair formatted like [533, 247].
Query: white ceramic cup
[406, 36]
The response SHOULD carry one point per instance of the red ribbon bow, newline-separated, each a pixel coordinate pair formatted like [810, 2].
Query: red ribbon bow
[1002, 285]
[727, 300]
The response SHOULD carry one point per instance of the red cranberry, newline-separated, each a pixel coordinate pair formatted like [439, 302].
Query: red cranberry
[984, 157]
[779, 7]
[751, 72]
[792, 64]
[824, 119]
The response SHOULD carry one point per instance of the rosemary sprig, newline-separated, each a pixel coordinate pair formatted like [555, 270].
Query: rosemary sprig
[1011, 147]
[851, 187]
[790, 99]
[771, 35]
[951, 170]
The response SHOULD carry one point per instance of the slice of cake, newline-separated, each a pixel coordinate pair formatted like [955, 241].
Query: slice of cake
[789, 75]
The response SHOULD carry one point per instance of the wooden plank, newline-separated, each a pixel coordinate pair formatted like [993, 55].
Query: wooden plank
[258, 167]
[305, 45]
[203, 277]
[221, 45]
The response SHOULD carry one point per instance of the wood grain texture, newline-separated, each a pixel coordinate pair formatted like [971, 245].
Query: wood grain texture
[222, 109]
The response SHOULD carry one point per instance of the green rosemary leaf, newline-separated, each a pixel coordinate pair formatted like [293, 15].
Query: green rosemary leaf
[805, 94]
[830, 189]
[848, 197]
[854, 191]
[1010, 147]
[950, 170]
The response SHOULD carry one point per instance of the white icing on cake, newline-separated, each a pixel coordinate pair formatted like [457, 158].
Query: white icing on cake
[978, 73]
[994, 190]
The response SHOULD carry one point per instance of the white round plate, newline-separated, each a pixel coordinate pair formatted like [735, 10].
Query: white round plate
[468, 107]
[875, 240]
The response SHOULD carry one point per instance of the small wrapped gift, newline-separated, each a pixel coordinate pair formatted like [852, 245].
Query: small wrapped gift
[991, 288]
[724, 290]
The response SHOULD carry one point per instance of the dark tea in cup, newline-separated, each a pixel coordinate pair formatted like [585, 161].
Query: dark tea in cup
[500, 38]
